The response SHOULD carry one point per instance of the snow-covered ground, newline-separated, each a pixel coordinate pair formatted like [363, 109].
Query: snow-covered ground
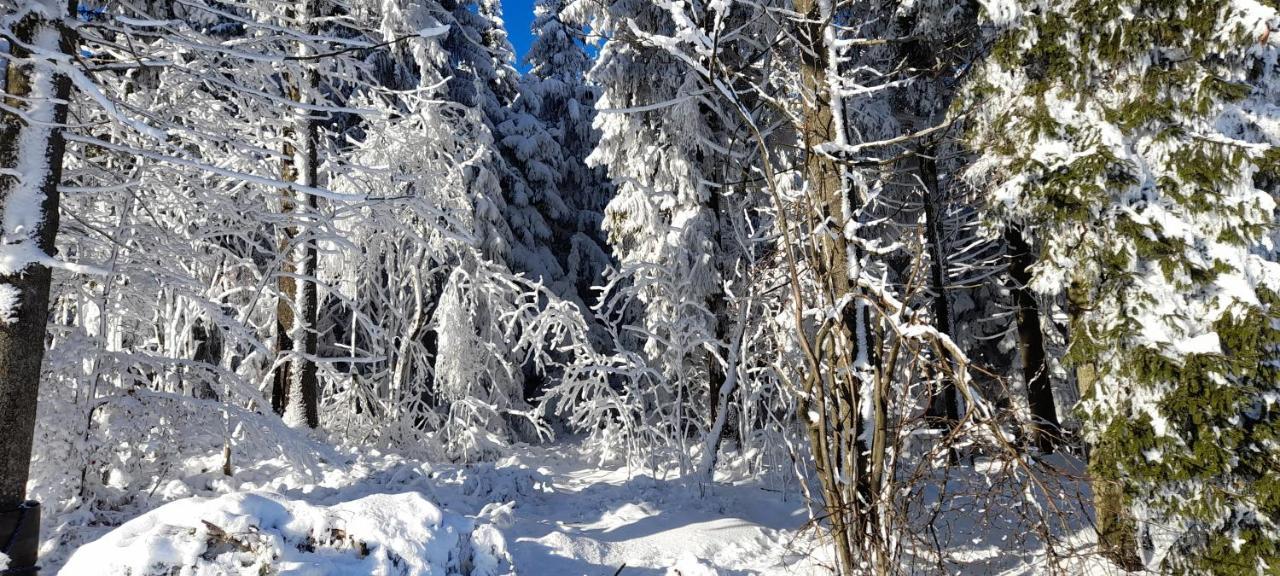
[547, 510]
[584, 520]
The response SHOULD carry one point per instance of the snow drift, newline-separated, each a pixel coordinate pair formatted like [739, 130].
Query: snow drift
[254, 533]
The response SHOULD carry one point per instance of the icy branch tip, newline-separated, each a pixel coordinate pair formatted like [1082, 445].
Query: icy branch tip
[434, 32]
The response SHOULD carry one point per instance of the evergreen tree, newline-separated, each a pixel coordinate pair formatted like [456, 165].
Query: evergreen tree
[556, 95]
[661, 222]
[678, 145]
[478, 78]
[531, 158]
[1133, 141]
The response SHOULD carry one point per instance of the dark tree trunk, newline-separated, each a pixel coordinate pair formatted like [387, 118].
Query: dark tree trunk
[943, 406]
[1035, 373]
[284, 323]
[33, 88]
[208, 351]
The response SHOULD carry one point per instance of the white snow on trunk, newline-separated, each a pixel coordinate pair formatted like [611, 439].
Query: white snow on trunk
[24, 205]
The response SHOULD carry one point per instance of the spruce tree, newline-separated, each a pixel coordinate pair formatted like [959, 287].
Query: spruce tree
[556, 94]
[662, 223]
[675, 119]
[1130, 140]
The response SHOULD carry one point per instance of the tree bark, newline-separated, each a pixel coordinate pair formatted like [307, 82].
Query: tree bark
[1117, 529]
[208, 351]
[31, 155]
[1035, 372]
[31, 151]
[296, 383]
[840, 454]
[1116, 526]
[717, 305]
[943, 406]
[286, 293]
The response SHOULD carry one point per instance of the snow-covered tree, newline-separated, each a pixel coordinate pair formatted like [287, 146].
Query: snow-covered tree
[1134, 143]
[36, 86]
[847, 242]
[556, 94]
[186, 162]
[678, 220]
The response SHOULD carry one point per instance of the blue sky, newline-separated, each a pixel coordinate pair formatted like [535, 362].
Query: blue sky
[518, 15]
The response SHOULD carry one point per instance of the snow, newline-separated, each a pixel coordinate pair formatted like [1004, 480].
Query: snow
[588, 520]
[294, 417]
[23, 214]
[10, 303]
[689, 565]
[462, 249]
[549, 510]
[1202, 344]
[293, 503]
[434, 31]
[1002, 13]
[546, 511]
[254, 532]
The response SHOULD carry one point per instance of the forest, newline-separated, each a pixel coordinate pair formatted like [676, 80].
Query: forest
[685, 288]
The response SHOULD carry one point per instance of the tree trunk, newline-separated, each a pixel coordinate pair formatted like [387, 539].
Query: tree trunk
[943, 406]
[30, 171]
[1035, 372]
[208, 351]
[717, 305]
[287, 293]
[296, 383]
[1117, 530]
[840, 454]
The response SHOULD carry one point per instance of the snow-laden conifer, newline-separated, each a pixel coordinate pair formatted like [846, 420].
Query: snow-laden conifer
[1135, 142]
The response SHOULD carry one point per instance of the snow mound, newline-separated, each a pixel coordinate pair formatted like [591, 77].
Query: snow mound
[689, 565]
[252, 533]
[506, 481]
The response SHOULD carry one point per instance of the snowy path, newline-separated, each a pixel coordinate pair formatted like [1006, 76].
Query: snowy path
[587, 521]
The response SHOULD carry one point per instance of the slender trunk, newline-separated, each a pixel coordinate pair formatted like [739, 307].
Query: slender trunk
[1044, 415]
[287, 293]
[1117, 529]
[943, 404]
[715, 372]
[840, 450]
[299, 383]
[720, 416]
[723, 394]
[717, 305]
[208, 351]
[31, 151]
